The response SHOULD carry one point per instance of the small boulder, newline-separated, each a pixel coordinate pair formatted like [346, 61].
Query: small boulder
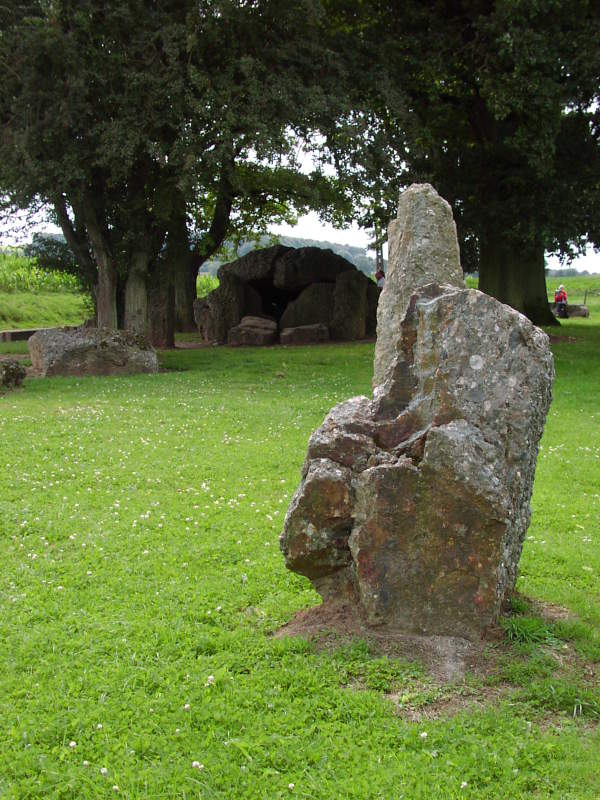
[305, 334]
[90, 351]
[573, 310]
[11, 374]
[256, 331]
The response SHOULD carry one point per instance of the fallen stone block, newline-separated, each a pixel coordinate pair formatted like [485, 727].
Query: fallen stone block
[90, 351]
[305, 334]
[253, 331]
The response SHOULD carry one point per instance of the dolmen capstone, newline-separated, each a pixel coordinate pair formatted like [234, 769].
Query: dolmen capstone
[414, 505]
[90, 351]
[290, 288]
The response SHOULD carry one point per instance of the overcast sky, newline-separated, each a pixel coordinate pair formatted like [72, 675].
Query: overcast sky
[309, 227]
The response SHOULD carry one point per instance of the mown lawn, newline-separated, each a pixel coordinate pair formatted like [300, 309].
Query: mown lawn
[141, 582]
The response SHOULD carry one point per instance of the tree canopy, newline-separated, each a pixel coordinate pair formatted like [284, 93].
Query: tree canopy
[496, 104]
[153, 128]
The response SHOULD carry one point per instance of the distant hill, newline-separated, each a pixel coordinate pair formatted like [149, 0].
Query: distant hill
[356, 255]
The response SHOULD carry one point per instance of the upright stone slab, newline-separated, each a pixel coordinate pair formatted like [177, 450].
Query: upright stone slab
[414, 505]
[423, 248]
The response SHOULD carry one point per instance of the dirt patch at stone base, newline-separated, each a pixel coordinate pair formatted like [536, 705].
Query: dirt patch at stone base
[447, 658]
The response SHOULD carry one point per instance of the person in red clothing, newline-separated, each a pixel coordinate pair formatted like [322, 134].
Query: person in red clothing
[560, 298]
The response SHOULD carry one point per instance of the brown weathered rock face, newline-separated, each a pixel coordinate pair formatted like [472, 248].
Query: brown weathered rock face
[90, 351]
[294, 286]
[415, 504]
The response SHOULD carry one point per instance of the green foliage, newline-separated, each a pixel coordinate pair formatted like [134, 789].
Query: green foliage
[159, 129]
[205, 284]
[573, 699]
[519, 605]
[494, 104]
[19, 273]
[528, 630]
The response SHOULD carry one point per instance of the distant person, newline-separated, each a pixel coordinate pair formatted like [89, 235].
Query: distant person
[560, 298]
[380, 278]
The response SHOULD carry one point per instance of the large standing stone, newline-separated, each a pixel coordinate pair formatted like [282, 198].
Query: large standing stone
[90, 351]
[415, 505]
[224, 307]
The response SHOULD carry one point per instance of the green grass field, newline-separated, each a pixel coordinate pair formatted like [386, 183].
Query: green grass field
[34, 298]
[141, 584]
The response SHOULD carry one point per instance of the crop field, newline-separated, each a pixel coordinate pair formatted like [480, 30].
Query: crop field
[142, 586]
[31, 297]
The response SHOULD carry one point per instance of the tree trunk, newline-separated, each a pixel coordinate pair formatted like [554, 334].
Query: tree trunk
[161, 299]
[107, 274]
[107, 293]
[136, 295]
[515, 275]
[185, 273]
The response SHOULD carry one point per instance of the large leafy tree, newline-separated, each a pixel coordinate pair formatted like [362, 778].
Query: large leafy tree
[496, 103]
[150, 128]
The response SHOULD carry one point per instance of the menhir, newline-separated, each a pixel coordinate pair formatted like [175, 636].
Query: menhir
[414, 505]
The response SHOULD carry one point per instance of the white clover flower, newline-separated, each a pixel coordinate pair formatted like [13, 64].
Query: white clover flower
[72, 744]
[187, 707]
[210, 680]
[197, 765]
[99, 726]
[86, 763]
[291, 786]
[463, 785]
[103, 771]
[423, 734]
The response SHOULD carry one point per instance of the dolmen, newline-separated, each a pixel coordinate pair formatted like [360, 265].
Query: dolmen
[288, 295]
[414, 504]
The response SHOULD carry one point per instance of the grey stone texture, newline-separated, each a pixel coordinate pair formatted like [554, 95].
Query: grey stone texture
[305, 334]
[573, 310]
[414, 505]
[90, 351]
[423, 248]
[253, 331]
[314, 305]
